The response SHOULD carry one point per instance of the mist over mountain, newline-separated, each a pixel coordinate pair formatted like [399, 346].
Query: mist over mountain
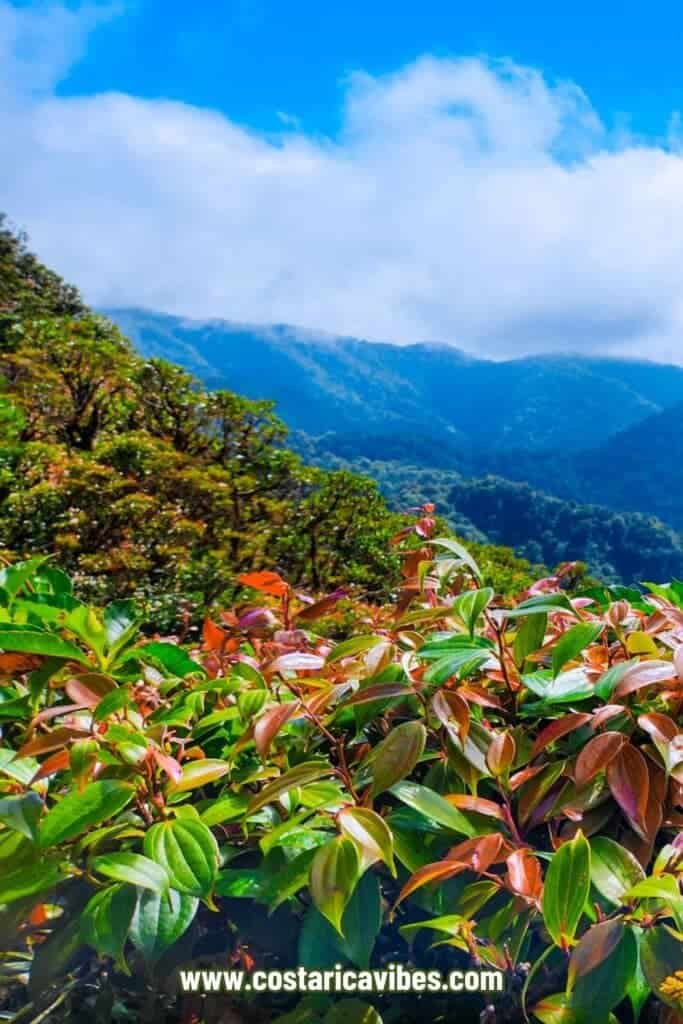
[561, 457]
[325, 383]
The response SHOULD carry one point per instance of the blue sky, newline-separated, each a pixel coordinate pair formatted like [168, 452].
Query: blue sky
[507, 178]
[253, 58]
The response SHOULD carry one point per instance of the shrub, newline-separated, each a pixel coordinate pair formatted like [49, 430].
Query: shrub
[454, 783]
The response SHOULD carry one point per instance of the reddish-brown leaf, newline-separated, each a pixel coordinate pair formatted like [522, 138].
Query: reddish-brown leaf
[452, 710]
[522, 776]
[269, 725]
[14, 663]
[557, 729]
[476, 803]
[629, 782]
[58, 762]
[50, 741]
[480, 850]
[607, 713]
[214, 638]
[596, 945]
[322, 607]
[89, 688]
[381, 691]
[596, 755]
[660, 727]
[645, 673]
[168, 764]
[501, 753]
[524, 874]
[479, 695]
[437, 872]
[266, 582]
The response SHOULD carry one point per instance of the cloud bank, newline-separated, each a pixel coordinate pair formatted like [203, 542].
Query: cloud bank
[466, 201]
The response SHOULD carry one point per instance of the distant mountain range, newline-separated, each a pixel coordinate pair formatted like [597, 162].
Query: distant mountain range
[325, 383]
[524, 452]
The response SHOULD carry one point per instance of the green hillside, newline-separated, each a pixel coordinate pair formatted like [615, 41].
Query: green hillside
[142, 483]
[326, 383]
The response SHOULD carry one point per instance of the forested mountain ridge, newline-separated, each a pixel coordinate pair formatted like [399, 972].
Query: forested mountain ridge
[142, 484]
[618, 546]
[321, 382]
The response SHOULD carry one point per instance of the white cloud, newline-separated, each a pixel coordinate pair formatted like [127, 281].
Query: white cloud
[464, 201]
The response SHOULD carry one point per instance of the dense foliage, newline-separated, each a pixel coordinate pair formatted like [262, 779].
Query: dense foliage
[618, 547]
[458, 782]
[142, 483]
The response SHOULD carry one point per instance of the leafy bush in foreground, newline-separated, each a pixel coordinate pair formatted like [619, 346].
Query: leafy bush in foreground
[456, 783]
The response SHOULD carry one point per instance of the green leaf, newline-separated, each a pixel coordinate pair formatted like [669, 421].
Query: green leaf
[665, 887]
[29, 879]
[461, 662]
[571, 643]
[160, 919]
[76, 812]
[302, 774]
[240, 883]
[370, 833]
[601, 967]
[106, 921]
[14, 577]
[543, 603]
[132, 868]
[20, 768]
[21, 813]
[36, 642]
[563, 689]
[199, 773]
[566, 889]
[396, 755]
[111, 703]
[469, 605]
[171, 657]
[460, 552]
[288, 881]
[334, 873]
[614, 869]
[529, 637]
[350, 648]
[188, 852]
[225, 808]
[433, 806]
[121, 619]
[362, 920]
[661, 955]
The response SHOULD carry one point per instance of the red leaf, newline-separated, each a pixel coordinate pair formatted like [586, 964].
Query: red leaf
[89, 689]
[629, 781]
[214, 637]
[50, 741]
[501, 753]
[320, 608]
[560, 727]
[58, 762]
[269, 725]
[168, 764]
[645, 673]
[437, 872]
[476, 803]
[524, 874]
[452, 711]
[596, 756]
[266, 582]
